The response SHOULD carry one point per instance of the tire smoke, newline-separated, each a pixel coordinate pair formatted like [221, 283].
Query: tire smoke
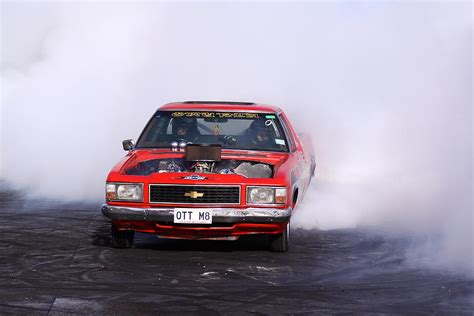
[384, 89]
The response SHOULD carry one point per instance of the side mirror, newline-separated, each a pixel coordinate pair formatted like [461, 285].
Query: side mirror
[128, 144]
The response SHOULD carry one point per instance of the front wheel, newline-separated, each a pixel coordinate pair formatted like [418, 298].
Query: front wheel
[280, 242]
[122, 238]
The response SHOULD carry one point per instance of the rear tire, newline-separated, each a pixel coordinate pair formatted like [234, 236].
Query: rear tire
[122, 238]
[280, 242]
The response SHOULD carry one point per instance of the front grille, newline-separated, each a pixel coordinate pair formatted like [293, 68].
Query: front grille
[203, 194]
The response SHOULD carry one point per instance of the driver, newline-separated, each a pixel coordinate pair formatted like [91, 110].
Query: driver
[185, 128]
[260, 134]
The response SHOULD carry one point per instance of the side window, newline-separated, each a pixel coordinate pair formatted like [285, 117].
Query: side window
[288, 133]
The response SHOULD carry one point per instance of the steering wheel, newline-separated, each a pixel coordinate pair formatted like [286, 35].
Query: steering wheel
[228, 140]
[180, 140]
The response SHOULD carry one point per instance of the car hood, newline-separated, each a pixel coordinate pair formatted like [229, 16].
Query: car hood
[137, 162]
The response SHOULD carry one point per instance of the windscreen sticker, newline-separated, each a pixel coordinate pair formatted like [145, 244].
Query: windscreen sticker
[280, 142]
[243, 115]
[270, 116]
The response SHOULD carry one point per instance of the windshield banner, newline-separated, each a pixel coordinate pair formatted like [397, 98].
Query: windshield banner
[241, 115]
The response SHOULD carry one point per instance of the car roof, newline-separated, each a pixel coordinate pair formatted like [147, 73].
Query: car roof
[220, 106]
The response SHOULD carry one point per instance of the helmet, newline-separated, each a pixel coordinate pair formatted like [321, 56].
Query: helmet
[184, 127]
[260, 132]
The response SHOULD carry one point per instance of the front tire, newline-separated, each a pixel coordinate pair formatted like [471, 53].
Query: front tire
[122, 238]
[280, 242]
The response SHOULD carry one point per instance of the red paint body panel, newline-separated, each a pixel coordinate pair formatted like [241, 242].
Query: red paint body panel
[164, 230]
[180, 106]
[292, 170]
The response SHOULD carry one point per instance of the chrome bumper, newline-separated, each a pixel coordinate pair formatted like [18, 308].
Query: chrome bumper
[219, 215]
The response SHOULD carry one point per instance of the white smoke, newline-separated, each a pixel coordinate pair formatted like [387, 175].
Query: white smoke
[384, 89]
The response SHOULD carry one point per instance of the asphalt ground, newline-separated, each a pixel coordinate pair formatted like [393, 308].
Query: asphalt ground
[56, 258]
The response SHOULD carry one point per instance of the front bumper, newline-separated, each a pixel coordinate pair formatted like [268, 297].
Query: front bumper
[219, 215]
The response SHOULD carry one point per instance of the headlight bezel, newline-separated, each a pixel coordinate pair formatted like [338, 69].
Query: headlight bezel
[116, 185]
[266, 187]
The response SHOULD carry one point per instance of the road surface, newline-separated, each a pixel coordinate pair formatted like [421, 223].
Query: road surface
[56, 258]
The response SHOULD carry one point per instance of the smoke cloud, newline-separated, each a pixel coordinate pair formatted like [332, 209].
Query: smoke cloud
[384, 90]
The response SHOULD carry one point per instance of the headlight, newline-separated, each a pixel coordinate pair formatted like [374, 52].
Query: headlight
[266, 195]
[124, 192]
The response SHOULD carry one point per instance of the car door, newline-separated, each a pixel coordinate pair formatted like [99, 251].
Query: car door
[298, 171]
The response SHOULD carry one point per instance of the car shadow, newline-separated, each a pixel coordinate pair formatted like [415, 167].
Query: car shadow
[101, 237]
[244, 243]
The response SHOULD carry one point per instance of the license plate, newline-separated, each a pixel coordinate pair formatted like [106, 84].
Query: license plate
[187, 216]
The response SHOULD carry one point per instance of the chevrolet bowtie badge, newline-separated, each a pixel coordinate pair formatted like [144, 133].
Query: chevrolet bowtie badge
[194, 194]
[194, 177]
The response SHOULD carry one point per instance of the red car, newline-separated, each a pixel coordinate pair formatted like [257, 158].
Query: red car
[210, 170]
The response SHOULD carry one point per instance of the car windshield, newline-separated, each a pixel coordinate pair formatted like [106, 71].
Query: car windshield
[232, 130]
